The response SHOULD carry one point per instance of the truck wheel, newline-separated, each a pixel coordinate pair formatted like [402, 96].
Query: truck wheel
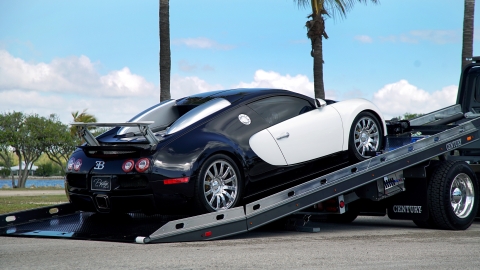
[219, 185]
[453, 196]
[365, 135]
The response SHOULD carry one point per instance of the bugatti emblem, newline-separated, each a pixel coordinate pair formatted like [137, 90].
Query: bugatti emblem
[99, 165]
[244, 119]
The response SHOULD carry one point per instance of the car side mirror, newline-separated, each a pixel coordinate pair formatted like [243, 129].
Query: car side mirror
[320, 103]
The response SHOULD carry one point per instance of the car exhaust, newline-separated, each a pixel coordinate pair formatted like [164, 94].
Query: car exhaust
[102, 201]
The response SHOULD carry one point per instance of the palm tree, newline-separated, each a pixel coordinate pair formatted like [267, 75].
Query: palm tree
[83, 117]
[316, 31]
[467, 44]
[165, 58]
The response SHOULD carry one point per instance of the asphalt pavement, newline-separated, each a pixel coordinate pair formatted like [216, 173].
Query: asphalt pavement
[367, 243]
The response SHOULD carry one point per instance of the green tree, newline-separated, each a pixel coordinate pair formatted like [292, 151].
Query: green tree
[26, 135]
[165, 54]
[10, 125]
[316, 32]
[59, 142]
[467, 44]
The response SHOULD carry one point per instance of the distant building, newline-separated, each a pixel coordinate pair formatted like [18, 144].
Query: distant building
[15, 169]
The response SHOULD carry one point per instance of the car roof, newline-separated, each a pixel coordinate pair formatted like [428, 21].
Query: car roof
[234, 95]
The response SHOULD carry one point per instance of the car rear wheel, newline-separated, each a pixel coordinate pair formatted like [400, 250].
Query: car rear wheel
[219, 185]
[366, 136]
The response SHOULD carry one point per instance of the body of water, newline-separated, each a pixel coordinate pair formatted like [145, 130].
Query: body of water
[35, 182]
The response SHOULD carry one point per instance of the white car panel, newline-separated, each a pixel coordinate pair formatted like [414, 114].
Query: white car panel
[311, 135]
[349, 109]
[264, 145]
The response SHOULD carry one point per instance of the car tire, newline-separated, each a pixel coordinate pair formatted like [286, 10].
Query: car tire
[366, 134]
[453, 195]
[219, 185]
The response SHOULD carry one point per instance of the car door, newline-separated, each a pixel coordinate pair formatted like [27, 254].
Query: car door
[302, 132]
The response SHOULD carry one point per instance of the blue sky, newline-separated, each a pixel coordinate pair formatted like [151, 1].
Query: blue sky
[64, 56]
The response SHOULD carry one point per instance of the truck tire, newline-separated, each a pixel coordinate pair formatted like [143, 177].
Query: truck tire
[425, 224]
[453, 196]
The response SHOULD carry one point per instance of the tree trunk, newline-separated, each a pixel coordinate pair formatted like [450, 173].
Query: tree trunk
[165, 55]
[467, 45]
[22, 179]
[19, 155]
[13, 180]
[316, 32]
[318, 68]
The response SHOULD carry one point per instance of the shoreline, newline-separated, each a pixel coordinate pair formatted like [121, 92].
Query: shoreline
[33, 177]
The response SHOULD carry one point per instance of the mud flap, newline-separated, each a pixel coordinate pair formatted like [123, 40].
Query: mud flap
[412, 204]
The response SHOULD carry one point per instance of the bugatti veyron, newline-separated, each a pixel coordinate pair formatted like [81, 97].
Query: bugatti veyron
[217, 150]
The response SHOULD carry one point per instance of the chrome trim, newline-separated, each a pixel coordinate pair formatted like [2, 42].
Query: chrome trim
[198, 113]
[162, 114]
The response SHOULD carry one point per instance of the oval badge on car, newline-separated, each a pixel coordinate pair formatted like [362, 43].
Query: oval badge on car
[244, 119]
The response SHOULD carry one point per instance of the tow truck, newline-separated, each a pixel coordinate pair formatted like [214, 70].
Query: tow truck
[427, 173]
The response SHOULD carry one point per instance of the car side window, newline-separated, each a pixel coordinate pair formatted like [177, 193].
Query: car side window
[278, 109]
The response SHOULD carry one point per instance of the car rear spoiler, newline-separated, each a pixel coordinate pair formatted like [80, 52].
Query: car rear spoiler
[143, 126]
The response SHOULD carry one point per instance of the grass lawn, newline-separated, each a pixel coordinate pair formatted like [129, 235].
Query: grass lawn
[18, 203]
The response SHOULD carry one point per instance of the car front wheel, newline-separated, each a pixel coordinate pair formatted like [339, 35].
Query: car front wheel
[365, 136]
[219, 185]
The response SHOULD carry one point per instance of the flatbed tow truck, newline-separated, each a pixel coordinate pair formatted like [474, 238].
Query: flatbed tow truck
[427, 173]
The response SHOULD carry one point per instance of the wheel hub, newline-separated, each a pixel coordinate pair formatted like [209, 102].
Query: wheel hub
[364, 137]
[216, 186]
[462, 195]
[457, 195]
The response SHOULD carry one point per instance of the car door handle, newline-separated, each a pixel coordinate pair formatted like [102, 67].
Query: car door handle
[284, 135]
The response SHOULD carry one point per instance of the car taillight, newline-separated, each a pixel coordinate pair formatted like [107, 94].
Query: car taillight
[70, 163]
[77, 165]
[176, 181]
[142, 164]
[128, 165]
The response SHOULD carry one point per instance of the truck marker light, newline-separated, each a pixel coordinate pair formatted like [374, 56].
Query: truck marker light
[176, 181]
[128, 165]
[77, 165]
[469, 138]
[142, 165]
[207, 234]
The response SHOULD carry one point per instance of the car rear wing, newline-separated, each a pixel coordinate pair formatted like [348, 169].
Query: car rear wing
[143, 126]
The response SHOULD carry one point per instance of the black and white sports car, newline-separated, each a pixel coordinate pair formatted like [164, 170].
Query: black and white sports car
[217, 150]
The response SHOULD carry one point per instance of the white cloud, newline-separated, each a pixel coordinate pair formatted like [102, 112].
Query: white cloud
[74, 75]
[72, 84]
[186, 86]
[364, 39]
[400, 97]
[201, 43]
[417, 36]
